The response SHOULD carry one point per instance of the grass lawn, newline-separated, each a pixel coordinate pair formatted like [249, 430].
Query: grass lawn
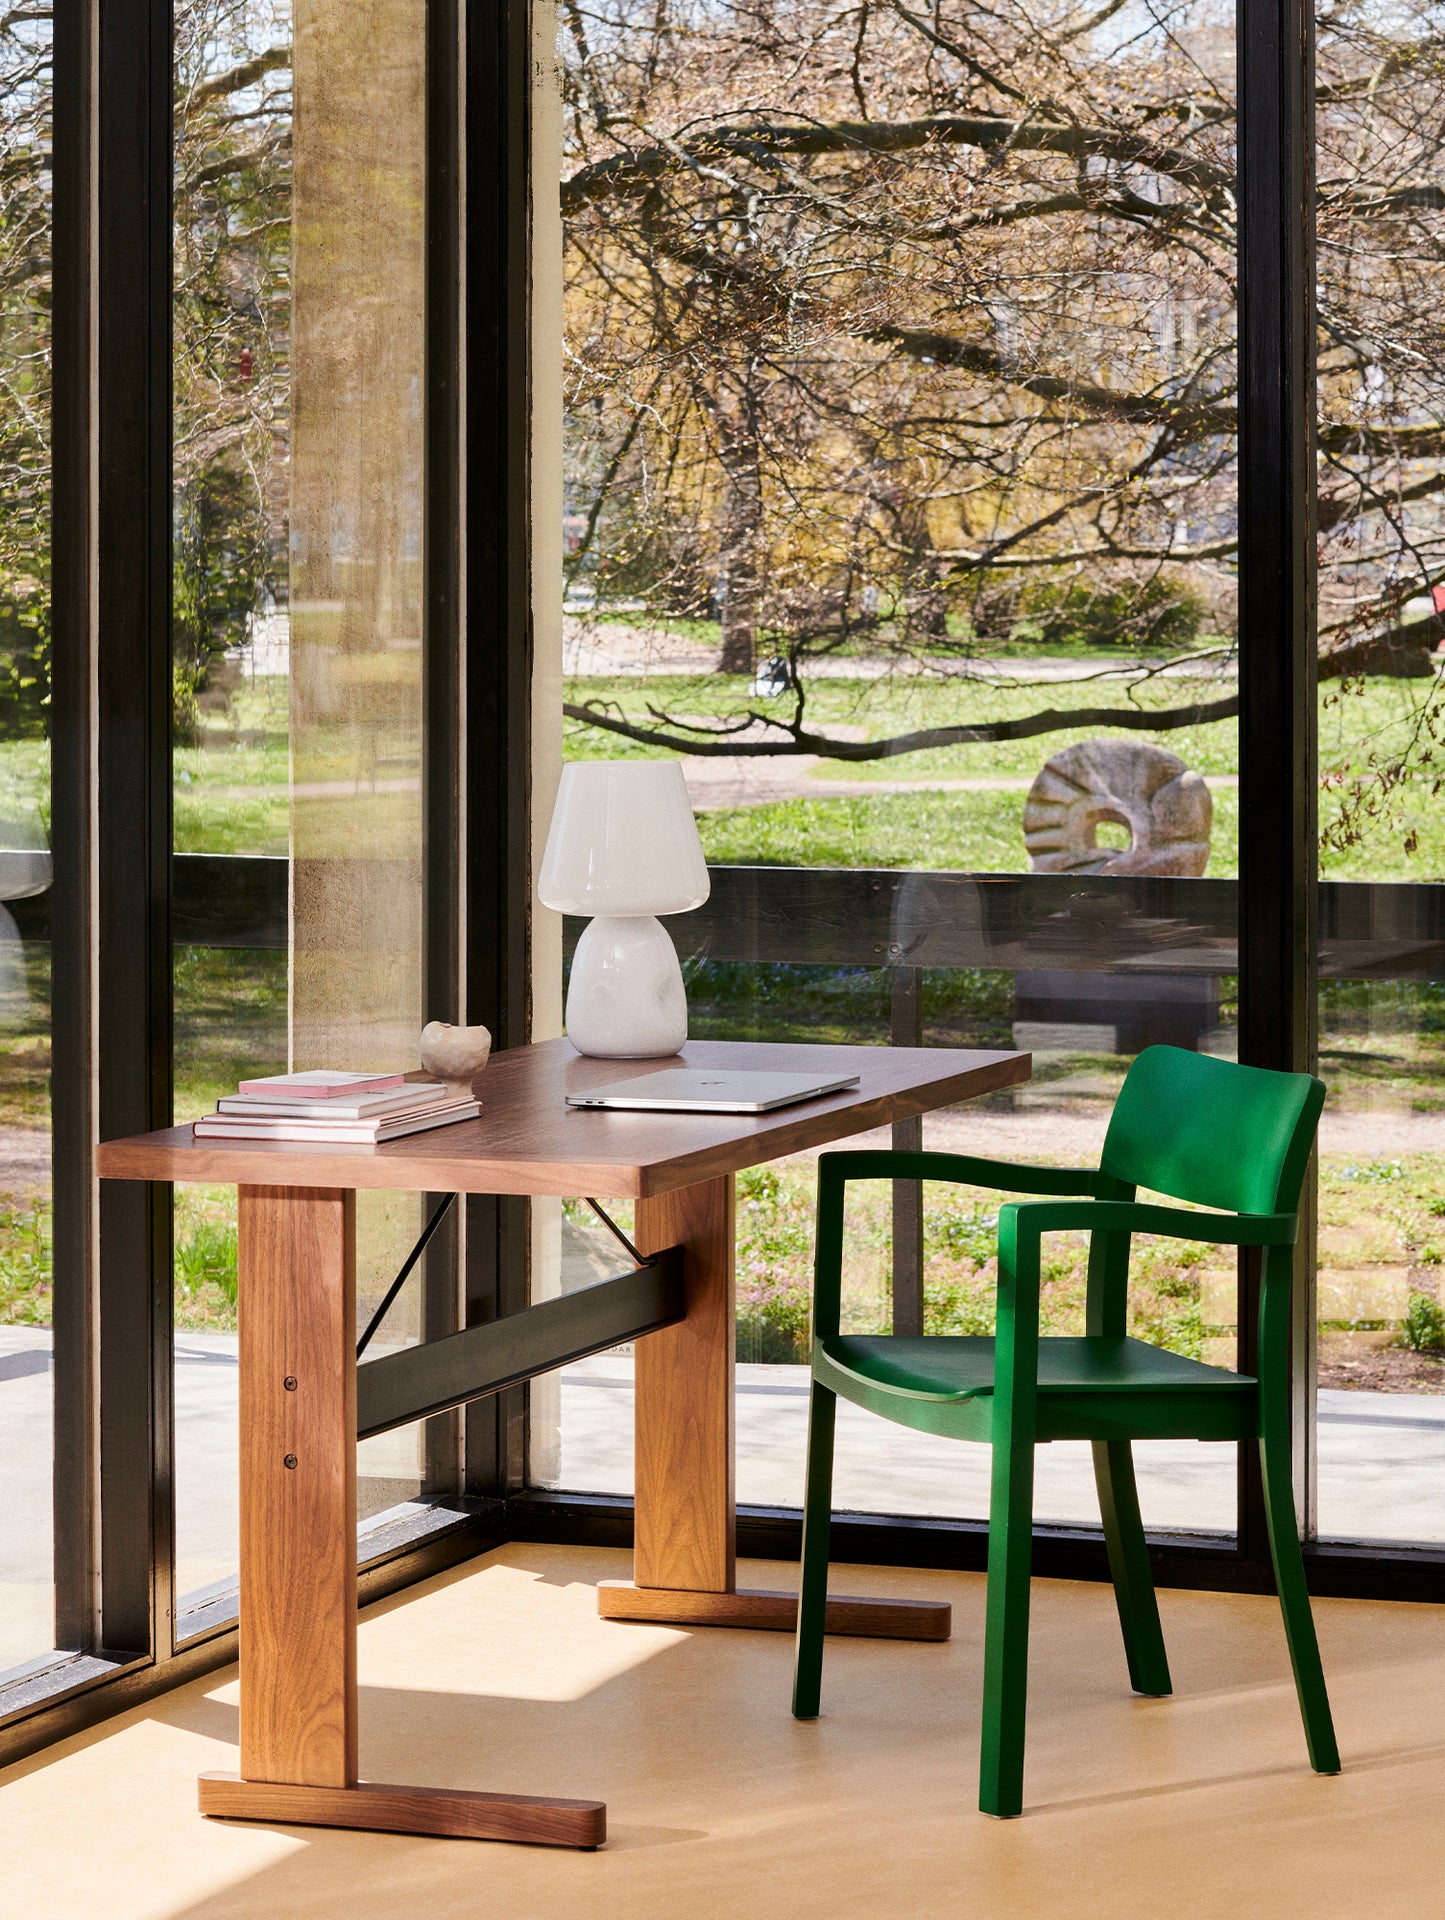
[983, 831]
[232, 789]
[231, 792]
[971, 832]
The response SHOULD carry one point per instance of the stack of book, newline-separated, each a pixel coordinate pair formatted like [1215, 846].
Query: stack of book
[334, 1108]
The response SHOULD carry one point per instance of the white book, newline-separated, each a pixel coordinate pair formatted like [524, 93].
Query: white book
[324, 1131]
[366, 1106]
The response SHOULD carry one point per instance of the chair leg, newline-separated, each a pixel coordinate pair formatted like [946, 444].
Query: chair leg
[817, 1523]
[1006, 1630]
[1129, 1567]
[1294, 1601]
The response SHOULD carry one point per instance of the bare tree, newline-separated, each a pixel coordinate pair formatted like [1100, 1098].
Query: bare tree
[232, 293]
[25, 86]
[896, 321]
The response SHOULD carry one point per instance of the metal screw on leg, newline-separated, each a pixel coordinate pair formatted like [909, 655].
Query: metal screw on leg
[289, 1383]
[290, 1460]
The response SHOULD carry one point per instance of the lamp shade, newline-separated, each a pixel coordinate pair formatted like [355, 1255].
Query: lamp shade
[623, 841]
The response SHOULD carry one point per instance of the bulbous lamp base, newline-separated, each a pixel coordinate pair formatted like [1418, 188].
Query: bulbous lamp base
[625, 999]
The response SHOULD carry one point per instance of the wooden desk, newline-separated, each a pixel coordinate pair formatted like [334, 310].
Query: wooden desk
[298, 1385]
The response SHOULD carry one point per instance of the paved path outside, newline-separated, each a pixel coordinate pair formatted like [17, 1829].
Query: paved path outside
[26, 1628]
[1062, 1127]
[207, 1515]
[600, 650]
[738, 780]
[1381, 1460]
[1382, 1466]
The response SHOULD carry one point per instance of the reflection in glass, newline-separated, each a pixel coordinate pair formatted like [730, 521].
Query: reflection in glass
[232, 372]
[298, 457]
[897, 417]
[1381, 467]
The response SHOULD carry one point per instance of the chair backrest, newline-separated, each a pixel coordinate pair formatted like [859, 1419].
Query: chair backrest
[1212, 1132]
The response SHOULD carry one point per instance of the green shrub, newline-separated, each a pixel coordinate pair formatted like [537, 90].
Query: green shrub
[1156, 615]
[960, 1303]
[1423, 1328]
[24, 659]
[956, 1230]
[207, 1256]
[774, 1266]
[25, 1265]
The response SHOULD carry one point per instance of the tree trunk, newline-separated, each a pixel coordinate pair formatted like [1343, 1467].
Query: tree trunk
[925, 599]
[742, 543]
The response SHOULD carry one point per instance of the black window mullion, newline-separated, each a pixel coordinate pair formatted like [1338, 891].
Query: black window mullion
[497, 648]
[111, 820]
[1277, 728]
[130, 432]
[441, 664]
[72, 712]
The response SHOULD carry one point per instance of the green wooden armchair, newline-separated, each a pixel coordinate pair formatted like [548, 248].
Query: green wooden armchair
[1204, 1131]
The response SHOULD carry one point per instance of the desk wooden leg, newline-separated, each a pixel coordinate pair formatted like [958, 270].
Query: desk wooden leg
[685, 1518]
[685, 1554]
[296, 1309]
[297, 1315]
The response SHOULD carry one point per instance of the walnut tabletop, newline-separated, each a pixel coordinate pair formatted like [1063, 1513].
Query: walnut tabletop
[528, 1141]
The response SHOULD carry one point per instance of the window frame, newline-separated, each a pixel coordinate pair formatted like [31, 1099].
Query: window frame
[112, 900]
[111, 938]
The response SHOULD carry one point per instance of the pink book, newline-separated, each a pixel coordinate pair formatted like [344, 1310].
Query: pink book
[321, 1083]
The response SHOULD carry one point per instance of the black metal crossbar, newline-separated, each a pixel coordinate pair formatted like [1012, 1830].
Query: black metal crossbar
[884, 918]
[420, 1381]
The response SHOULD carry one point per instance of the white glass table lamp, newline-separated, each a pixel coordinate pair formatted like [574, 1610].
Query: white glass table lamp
[623, 847]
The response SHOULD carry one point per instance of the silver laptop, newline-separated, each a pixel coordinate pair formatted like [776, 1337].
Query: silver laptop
[695, 1090]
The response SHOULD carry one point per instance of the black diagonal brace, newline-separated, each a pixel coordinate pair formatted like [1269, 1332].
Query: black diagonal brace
[410, 1385]
[400, 1281]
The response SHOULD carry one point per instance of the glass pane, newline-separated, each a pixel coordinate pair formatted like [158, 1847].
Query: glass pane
[895, 426]
[233, 271]
[27, 1584]
[299, 302]
[1382, 1017]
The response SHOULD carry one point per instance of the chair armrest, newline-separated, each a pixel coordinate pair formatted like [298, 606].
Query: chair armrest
[1002, 1176]
[1135, 1216]
[835, 1170]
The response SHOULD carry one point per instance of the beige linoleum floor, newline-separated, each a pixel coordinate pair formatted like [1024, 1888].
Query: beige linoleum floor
[501, 1676]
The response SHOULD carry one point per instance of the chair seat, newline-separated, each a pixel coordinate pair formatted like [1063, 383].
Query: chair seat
[1096, 1388]
[952, 1365]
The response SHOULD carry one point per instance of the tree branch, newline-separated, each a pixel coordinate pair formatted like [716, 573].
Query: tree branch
[637, 171]
[961, 560]
[233, 163]
[1355, 440]
[800, 740]
[237, 79]
[1383, 199]
[946, 351]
